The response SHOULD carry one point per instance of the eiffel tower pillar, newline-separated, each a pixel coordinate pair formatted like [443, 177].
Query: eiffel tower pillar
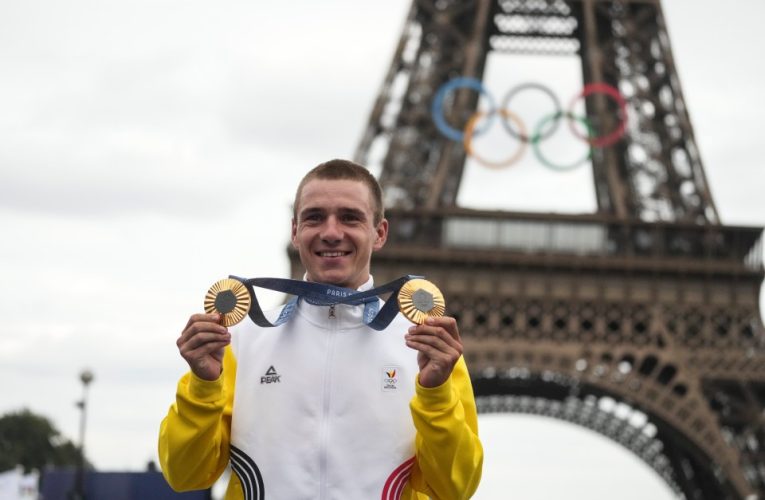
[640, 321]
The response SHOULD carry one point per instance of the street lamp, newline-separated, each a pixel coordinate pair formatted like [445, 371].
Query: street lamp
[86, 377]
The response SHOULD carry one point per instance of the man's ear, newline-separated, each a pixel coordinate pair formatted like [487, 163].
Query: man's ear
[382, 234]
[293, 236]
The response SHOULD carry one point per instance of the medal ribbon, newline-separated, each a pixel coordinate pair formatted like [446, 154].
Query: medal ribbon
[321, 294]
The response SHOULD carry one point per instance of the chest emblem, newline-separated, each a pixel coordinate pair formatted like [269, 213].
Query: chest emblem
[390, 376]
[271, 377]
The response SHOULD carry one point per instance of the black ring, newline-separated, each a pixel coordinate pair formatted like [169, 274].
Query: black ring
[505, 105]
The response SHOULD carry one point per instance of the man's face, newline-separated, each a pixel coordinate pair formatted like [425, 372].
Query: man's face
[335, 232]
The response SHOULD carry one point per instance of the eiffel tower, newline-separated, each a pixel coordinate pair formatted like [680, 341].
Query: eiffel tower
[639, 321]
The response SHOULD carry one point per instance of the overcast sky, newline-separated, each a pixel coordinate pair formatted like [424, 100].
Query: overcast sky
[149, 148]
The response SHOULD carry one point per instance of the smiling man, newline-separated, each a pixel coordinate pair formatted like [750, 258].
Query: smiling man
[336, 227]
[322, 405]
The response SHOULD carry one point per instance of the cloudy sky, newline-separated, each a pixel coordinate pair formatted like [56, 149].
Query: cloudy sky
[149, 148]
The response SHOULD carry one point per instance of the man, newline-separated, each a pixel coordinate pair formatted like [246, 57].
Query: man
[326, 407]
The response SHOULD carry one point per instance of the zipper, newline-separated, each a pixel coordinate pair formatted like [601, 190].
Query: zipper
[324, 438]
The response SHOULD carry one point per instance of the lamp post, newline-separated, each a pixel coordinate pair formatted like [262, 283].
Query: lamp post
[86, 377]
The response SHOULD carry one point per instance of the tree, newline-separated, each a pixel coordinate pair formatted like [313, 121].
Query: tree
[32, 441]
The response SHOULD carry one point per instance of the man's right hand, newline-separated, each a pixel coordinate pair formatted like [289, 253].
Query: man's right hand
[202, 343]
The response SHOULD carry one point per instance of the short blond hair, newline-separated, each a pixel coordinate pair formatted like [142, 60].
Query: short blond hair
[339, 169]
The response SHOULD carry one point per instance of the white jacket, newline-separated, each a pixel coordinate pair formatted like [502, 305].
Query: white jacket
[322, 406]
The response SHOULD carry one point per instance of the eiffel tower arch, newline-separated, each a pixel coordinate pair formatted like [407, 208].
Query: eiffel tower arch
[641, 320]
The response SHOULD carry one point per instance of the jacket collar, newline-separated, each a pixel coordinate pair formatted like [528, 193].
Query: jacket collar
[340, 316]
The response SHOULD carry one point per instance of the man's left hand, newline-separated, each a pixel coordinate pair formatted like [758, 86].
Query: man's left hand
[439, 347]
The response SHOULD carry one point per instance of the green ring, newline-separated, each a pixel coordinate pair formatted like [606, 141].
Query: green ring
[535, 142]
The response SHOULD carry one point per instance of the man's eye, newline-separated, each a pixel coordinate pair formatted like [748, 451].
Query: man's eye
[350, 218]
[311, 218]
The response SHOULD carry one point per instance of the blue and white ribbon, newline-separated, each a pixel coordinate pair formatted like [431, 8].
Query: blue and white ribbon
[322, 294]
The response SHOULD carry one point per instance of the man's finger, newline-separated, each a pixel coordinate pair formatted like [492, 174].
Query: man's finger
[202, 338]
[444, 344]
[197, 327]
[438, 332]
[428, 350]
[203, 317]
[447, 323]
[205, 350]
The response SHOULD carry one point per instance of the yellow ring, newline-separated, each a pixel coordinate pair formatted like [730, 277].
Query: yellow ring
[468, 139]
[242, 300]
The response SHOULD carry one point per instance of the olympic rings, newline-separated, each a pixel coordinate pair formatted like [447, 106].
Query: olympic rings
[514, 126]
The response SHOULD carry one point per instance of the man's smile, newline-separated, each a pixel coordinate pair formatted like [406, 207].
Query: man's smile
[333, 253]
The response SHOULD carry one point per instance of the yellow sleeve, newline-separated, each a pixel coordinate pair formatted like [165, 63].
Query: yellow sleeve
[449, 455]
[194, 436]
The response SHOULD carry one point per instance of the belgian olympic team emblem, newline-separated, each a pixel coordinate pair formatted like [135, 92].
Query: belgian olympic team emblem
[390, 376]
[515, 126]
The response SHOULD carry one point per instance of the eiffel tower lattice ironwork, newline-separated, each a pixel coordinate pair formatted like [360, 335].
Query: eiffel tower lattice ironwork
[640, 321]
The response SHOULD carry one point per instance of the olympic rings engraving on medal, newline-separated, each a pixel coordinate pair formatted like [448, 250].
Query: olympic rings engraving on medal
[514, 126]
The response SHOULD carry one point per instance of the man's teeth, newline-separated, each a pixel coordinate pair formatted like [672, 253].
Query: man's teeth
[331, 254]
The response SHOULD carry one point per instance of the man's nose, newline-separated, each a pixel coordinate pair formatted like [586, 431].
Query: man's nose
[332, 230]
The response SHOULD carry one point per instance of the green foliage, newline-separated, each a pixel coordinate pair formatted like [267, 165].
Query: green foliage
[32, 441]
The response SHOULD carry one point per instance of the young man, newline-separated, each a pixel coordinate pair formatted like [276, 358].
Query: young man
[323, 406]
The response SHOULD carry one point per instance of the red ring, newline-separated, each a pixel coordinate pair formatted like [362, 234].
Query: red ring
[612, 92]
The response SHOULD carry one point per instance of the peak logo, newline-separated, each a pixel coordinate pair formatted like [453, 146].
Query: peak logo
[271, 377]
[389, 378]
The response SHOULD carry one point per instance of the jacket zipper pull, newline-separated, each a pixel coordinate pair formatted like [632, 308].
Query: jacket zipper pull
[332, 311]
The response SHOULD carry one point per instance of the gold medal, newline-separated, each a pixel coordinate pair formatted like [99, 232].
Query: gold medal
[230, 299]
[419, 299]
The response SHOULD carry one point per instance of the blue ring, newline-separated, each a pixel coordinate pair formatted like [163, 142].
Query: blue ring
[438, 102]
